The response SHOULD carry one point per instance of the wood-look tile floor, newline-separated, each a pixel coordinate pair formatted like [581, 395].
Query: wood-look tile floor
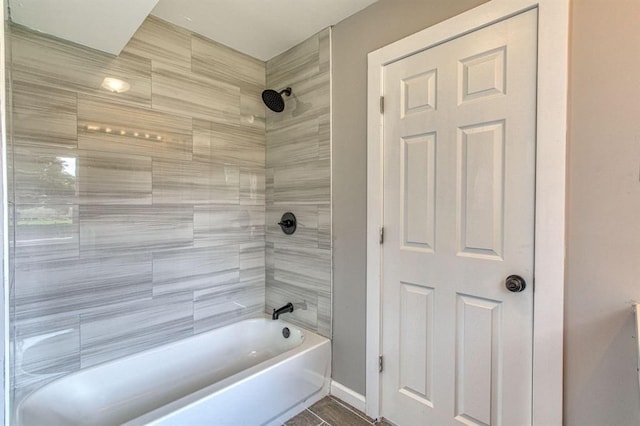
[331, 411]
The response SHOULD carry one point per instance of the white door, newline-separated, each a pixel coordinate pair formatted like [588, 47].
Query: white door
[459, 164]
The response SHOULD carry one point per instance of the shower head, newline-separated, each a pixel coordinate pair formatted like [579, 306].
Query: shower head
[273, 100]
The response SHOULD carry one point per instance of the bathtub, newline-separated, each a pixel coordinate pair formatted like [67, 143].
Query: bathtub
[247, 373]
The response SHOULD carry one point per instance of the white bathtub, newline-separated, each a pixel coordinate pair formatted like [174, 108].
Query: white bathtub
[243, 374]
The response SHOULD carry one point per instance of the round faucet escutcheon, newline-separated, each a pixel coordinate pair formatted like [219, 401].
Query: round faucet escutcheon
[288, 223]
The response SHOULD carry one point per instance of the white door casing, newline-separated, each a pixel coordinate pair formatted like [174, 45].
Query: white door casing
[459, 163]
[550, 189]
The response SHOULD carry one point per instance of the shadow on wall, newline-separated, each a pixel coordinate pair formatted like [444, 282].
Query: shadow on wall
[621, 350]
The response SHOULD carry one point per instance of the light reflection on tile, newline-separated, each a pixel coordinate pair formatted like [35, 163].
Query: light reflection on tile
[39, 59]
[46, 348]
[46, 232]
[252, 109]
[226, 304]
[45, 175]
[104, 126]
[252, 186]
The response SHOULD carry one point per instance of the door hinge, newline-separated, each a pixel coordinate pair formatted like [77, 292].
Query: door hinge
[380, 364]
[381, 234]
[381, 104]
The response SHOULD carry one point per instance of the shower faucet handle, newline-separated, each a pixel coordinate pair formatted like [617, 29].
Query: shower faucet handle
[288, 223]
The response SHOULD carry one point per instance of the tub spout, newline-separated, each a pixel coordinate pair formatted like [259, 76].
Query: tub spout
[286, 308]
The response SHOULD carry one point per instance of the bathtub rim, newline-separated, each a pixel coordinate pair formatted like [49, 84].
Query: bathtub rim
[311, 340]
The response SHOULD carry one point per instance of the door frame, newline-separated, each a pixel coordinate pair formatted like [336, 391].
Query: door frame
[549, 252]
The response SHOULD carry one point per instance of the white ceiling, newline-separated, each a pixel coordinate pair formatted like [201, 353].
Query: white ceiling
[100, 24]
[260, 28]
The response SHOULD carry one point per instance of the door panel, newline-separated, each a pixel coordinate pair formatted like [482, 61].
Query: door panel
[459, 162]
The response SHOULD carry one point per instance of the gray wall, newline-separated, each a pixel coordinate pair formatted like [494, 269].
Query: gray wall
[603, 257]
[139, 215]
[298, 180]
[378, 25]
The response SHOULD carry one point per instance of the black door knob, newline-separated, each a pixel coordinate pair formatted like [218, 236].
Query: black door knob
[515, 283]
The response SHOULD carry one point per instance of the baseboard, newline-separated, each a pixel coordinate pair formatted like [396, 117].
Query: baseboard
[349, 396]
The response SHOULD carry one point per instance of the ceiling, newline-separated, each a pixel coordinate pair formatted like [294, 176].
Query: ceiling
[260, 28]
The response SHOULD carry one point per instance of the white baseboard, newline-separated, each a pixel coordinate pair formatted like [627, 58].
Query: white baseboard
[349, 396]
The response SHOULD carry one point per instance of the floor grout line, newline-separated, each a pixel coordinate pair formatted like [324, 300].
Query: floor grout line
[339, 402]
[321, 419]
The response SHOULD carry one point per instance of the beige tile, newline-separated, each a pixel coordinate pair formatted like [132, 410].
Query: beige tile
[324, 137]
[113, 178]
[191, 182]
[104, 126]
[192, 269]
[222, 224]
[222, 63]
[161, 42]
[184, 92]
[105, 230]
[226, 304]
[44, 115]
[303, 183]
[293, 144]
[229, 144]
[41, 60]
[252, 109]
[324, 226]
[296, 64]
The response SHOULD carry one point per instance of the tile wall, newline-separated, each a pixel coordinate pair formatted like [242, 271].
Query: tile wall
[139, 216]
[298, 179]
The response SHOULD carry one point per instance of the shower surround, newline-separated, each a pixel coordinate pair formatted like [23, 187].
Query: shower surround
[139, 216]
[299, 180]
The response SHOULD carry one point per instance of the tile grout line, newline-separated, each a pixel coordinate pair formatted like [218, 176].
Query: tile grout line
[321, 419]
[350, 409]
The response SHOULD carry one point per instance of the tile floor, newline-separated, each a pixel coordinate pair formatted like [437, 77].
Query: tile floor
[331, 411]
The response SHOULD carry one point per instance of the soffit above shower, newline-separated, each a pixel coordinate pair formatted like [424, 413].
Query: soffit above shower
[106, 25]
[259, 28]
